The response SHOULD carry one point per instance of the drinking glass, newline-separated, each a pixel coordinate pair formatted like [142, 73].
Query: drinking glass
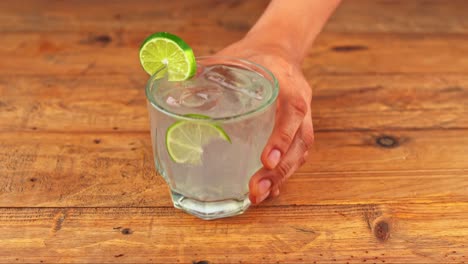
[231, 95]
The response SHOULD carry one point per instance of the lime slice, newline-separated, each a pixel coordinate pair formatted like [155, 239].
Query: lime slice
[185, 139]
[163, 49]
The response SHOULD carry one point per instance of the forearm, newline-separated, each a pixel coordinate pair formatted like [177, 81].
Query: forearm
[290, 26]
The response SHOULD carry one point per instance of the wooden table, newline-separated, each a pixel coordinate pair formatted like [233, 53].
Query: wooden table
[387, 181]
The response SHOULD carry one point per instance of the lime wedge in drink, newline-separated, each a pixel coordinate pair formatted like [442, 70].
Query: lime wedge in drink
[164, 49]
[185, 139]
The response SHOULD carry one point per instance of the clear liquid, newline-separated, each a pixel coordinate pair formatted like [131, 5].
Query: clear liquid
[217, 187]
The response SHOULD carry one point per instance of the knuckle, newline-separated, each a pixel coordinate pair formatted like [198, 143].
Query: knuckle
[283, 169]
[308, 139]
[303, 145]
[285, 136]
[299, 107]
[277, 180]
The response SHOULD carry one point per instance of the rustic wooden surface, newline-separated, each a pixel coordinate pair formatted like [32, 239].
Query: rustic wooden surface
[386, 182]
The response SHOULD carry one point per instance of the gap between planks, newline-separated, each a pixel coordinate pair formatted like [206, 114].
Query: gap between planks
[265, 206]
[120, 132]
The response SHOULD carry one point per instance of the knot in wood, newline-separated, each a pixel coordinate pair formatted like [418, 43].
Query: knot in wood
[382, 231]
[105, 39]
[126, 231]
[387, 142]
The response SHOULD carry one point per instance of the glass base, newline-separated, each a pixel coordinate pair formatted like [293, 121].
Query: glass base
[210, 210]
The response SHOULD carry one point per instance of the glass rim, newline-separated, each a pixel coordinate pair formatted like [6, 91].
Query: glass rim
[274, 94]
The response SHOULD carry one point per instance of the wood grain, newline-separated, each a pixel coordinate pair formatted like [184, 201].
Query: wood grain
[362, 16]
[124, 16]
[63, 169]
[400, 16]
[402, 101]
[386, 182]
[367, 102]
[333, 53]
[400, 233]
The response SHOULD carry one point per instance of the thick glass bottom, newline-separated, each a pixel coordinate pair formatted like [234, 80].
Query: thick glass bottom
[210, 210]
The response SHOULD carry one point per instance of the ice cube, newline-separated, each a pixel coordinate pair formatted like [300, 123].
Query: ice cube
[234, 79]
[172, 101]
[203, 97]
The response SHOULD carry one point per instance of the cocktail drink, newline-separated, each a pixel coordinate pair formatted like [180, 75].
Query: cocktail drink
[208, 132]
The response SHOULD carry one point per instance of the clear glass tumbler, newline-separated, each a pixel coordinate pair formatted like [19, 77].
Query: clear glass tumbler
[230, 97]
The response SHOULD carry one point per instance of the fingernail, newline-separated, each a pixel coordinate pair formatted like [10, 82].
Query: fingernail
[264, 186]
[262, 197]
[274, 158]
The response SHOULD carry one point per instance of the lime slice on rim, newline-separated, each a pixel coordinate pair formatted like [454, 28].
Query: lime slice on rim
[185, 139]
[164, 49]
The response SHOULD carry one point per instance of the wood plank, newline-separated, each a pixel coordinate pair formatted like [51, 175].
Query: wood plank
[116, 169]
[365, 16]
[400, 16]
[105, 53]
[389, 102]
[73, 103]
[121, 15]
[400, 233]
[94, 103]
[333, 53]
[387, 53]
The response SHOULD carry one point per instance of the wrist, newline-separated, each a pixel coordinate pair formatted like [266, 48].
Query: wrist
[289, 28]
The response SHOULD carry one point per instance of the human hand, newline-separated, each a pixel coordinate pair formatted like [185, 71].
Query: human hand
[293, 133]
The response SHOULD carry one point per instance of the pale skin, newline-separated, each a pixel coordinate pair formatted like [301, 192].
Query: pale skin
[279, 41]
